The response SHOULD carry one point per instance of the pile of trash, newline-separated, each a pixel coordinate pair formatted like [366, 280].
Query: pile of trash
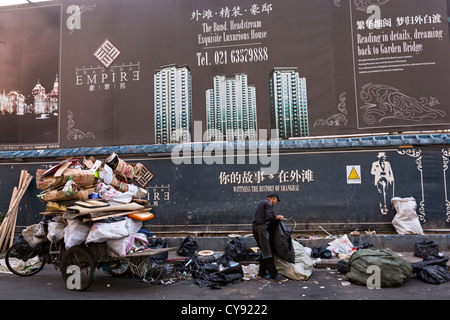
[392, 269]
[359, 262]
[237, 262]
[214, 270]
[433, 268]
[110, 180]
[292, 259]
[94, 201]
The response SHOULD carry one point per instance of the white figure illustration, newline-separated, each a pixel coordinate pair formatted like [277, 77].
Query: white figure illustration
[384, 179]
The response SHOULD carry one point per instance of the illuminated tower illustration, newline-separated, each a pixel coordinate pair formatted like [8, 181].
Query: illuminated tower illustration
[53, 98]
[40, 99]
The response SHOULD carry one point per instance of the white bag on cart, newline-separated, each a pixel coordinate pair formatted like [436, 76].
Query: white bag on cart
[132, 243]
[133, 226]
[103, 231]
[34, 234]
[75, 233]
[55, 231]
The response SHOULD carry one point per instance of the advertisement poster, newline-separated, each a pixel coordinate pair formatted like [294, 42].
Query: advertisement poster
[396, 56]
[106, 73]
[30, 51]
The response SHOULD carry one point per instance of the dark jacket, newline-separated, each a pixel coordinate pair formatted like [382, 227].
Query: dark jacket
[264, 213]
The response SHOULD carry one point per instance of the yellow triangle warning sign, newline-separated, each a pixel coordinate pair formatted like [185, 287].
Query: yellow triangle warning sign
[353, 175]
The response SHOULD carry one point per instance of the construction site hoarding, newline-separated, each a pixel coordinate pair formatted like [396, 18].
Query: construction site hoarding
[339, 190]
[108, 73]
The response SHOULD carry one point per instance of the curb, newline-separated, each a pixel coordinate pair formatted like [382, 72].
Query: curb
[395, 242]
[403, 245]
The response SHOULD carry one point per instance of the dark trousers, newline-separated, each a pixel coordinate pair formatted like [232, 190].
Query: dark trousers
[266, 262]
[267, 265]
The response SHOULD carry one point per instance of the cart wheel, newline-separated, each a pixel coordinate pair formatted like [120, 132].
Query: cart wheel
[78, 268]
[24, 260]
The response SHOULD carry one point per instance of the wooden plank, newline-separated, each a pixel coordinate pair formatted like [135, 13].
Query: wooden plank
[81, 211]
[105, 215]
[92, 203]
[9, 224]
[149, 252]
[52, 213]
[24, 183]
[13, 197]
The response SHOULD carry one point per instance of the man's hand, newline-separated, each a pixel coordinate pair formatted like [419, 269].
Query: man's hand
[280, 217]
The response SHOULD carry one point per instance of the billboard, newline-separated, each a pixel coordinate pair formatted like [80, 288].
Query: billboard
[112, 72]
[30, 50]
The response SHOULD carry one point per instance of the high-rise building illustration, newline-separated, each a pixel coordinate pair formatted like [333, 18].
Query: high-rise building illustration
[231, 109]
[173, 104]
[288, 103]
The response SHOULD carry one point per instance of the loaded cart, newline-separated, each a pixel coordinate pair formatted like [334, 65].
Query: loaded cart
[78, 264]
[93, 219]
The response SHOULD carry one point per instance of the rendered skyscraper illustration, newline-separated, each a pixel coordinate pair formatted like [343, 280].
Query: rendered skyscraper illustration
[173, 104]
[231, 109]
[288, 103]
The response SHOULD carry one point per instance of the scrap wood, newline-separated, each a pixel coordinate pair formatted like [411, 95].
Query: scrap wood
[92, 203]
[81, 211]
[24, 182]
[8, 226]
[104, 215]
[149, 252]
[52, 213]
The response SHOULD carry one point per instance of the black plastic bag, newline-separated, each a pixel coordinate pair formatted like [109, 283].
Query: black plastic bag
[364, 245]
[157, 243]
[253, 256]
[162, 272]
[320, 252]
[442, 261]
[425, 247]
[188, 247]
[216, 280]
[208, 273]
[432, 270]
[236, 250]
[342, 266]
[281, 241]
[434, 274]
[189, 264]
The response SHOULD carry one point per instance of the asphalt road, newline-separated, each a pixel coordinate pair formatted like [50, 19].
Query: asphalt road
[322, 285]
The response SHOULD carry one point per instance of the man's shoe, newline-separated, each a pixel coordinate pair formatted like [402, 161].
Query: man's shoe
[279, 278]
[261, 276]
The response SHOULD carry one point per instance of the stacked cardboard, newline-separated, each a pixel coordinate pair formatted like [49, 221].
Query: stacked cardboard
[52, 181]
[111, 182]
[84, 195]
